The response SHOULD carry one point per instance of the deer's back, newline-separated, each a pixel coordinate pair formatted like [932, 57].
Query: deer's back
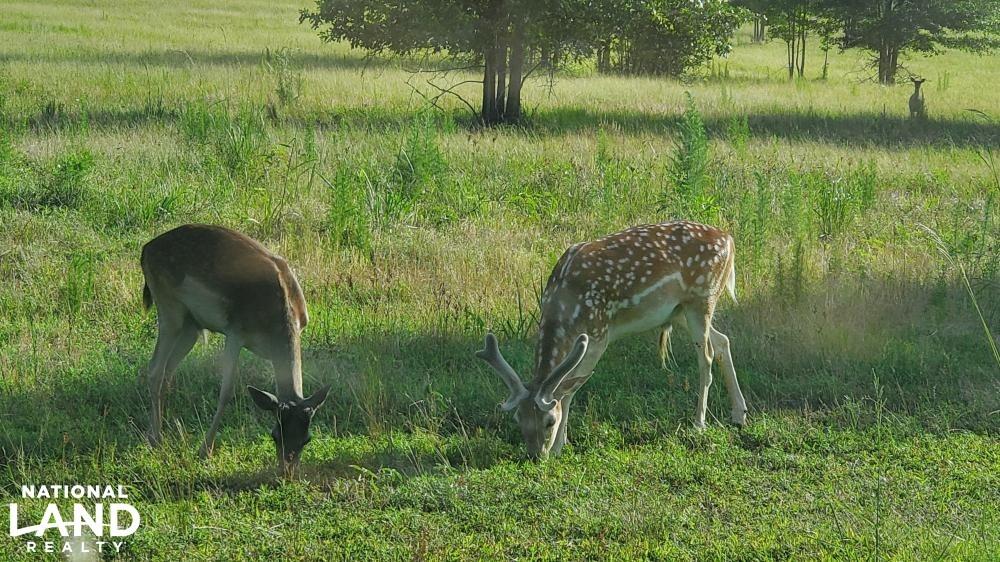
[225, 279]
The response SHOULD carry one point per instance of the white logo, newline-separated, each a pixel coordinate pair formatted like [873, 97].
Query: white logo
[96, 528]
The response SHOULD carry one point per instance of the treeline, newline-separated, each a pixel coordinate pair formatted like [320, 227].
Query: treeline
[885, 28]
[510, 39]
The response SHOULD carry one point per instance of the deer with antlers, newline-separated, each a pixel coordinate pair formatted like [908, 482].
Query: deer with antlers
[646, 277]
[203, 277]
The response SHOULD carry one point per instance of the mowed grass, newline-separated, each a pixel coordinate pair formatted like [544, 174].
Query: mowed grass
[873, 389]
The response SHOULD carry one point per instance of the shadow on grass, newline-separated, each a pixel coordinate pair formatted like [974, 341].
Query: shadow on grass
[858, 129]
[917, 346]
[193, 58]
[861, 129]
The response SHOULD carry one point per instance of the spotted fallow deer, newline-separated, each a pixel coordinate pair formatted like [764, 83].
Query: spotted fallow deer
[203, 277]
[642, 278]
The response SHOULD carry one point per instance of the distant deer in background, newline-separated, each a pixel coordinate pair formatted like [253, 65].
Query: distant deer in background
[203, 277]
[642, 278]
[917, 108]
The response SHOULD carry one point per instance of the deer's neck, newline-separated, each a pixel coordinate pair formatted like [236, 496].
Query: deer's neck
[288, 369]
[565, 315]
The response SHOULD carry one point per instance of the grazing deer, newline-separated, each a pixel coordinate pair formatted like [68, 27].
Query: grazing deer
[917, 108]
[642, 278]
[205, 277]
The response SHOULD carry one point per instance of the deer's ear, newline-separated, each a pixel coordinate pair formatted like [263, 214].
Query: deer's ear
[264, 400]
[317, 399]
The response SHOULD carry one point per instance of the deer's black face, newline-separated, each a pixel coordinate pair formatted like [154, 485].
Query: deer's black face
[291, 431]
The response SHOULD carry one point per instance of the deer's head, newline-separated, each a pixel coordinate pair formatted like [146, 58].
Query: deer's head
[536, 408]
[291, 430]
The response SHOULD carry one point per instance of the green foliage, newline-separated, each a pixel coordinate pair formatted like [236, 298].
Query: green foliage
[420, 162]
[891, 29]
[663, 36]
[347, 218]
[239, 141]
[689, 168]
[738, 132]
[839, 199]
[288, 80]
[79, 287]
[27, 185]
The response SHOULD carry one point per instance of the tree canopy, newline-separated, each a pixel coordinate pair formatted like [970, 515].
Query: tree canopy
[507, 38]
[890, 28]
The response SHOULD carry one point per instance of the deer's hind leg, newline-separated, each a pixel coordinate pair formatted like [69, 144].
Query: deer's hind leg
[185, 342]
[699, 321]
[720, 343]
[176, 335]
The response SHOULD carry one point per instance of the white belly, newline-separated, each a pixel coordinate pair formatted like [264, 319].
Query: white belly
[648, 309]
[641, 319]
[207, 307]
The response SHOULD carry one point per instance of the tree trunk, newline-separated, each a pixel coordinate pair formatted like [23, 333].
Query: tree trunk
[792, 46]
[802, 52]
[488, 111]
[888, 63]
[516, 71]
[758, 28]
[501, 59]
[604, 57]
[893, 65]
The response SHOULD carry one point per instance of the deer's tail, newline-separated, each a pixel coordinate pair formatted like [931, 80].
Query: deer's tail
[665, 344]
[731, 270]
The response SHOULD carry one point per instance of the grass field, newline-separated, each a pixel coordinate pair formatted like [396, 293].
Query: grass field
[873, 387]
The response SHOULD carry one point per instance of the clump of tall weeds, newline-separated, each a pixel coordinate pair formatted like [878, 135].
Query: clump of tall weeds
[688, 169]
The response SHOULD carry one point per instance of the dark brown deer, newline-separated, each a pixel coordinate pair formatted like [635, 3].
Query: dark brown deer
[203, 277]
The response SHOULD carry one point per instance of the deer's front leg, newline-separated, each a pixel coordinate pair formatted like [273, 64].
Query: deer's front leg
[561, 438]
[229, 363]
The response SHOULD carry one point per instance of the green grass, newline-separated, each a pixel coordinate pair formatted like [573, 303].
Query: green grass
[873, 391]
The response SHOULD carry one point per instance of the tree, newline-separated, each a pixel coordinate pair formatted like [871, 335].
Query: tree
[792, 21]
[508, 38]
[497, 34]
[890, 28]
[758, 13]
[662, 36]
